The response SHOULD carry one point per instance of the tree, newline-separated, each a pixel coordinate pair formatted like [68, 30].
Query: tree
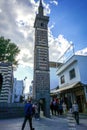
[8, 51]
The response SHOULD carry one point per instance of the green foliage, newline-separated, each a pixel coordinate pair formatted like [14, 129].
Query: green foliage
[8, 51]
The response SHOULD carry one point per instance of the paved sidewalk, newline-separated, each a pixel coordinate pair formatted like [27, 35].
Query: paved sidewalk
[54, 123]
[42, 124]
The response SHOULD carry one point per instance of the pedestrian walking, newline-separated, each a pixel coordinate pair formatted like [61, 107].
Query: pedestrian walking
[60, 108]
[51, 107]
[28, 109]
[55, 107]
[37, 111]
[64, 108]
[75, 110]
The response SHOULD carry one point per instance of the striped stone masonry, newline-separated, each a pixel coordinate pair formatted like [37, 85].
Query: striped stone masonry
[6, 72]
[71, 121]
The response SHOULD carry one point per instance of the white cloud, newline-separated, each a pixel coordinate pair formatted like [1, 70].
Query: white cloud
[17, 20]
[82, 52]
[57, 46]
[54, 2]
[16, 23]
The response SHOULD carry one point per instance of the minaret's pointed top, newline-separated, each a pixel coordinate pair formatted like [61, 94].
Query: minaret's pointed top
[40, 9]
[40, 3]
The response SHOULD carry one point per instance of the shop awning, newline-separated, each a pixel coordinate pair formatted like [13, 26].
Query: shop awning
[76, 84]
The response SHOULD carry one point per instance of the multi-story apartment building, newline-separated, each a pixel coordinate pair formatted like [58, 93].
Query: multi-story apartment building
[18, 89]
[72, 76]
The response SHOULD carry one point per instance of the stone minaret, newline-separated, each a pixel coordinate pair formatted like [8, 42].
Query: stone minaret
[41, 87]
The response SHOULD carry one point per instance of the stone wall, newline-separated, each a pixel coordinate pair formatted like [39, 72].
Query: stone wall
[14, 110]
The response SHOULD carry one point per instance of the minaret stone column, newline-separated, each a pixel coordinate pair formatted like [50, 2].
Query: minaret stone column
[41, 86]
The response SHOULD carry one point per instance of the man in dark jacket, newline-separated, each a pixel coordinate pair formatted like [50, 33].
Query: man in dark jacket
[28, 109]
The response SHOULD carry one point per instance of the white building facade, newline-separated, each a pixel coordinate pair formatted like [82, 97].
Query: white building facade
[72, 77]
[18, 88]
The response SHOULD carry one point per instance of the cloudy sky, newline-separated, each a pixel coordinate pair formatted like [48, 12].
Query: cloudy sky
[67, 25]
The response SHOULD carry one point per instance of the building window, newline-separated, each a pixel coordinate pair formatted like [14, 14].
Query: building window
[42, 24]
[72, 73]
[62, 79]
